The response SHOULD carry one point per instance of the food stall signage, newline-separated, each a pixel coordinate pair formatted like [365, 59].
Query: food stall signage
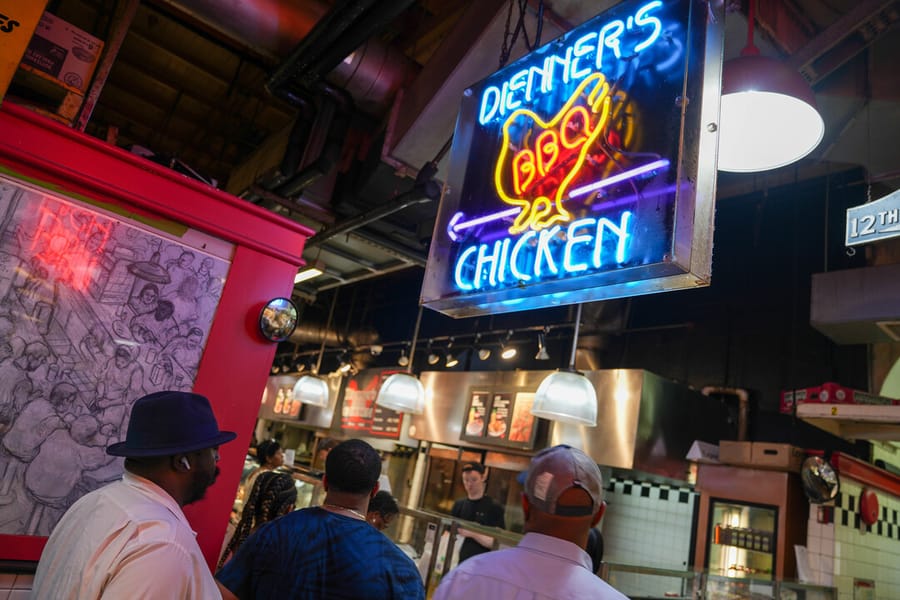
[877, 220]
[580, 172]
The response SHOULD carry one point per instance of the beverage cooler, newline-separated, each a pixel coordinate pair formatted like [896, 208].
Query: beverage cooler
[748, 523]
[742, 540]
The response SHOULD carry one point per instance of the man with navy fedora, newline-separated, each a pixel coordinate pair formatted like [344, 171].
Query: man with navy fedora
[130, 539]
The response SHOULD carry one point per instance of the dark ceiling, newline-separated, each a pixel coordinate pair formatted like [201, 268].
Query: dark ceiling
[330, 113]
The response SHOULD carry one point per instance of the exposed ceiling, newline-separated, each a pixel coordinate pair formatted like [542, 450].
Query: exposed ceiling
[330, 112]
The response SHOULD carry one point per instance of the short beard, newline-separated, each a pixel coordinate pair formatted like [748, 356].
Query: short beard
[198, 487]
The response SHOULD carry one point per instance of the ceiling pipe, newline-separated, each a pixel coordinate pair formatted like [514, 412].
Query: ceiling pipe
[424, 190]
[743, 405]
[330, 154]
[268, 27]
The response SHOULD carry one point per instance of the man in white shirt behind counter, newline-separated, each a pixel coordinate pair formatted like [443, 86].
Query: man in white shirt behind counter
[563, 499]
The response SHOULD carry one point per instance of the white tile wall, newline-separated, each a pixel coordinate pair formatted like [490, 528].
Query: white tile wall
[848, 549]
[650, 525]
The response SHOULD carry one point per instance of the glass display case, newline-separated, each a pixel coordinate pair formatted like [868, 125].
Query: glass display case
[742, 540]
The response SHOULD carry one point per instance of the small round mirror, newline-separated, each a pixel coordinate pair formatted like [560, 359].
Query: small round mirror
[278, 319]
[820, 480]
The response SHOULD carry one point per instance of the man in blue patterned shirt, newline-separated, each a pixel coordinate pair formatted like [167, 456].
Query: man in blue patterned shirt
[329, 551]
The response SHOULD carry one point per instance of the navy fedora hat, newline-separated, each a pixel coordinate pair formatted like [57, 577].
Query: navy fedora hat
[170, 422]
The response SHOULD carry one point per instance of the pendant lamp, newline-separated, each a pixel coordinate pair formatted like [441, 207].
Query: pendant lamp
[404, 392]
[567, 395]
[768, 116]
[312, 389]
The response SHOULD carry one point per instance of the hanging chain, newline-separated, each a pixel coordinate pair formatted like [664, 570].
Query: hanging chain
[511, 35]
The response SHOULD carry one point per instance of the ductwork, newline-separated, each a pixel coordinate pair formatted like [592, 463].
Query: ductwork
[367, 68]
[857, 306]
[268, 27]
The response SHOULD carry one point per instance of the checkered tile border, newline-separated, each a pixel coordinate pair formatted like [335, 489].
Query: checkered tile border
[846, 514]
[647, 489]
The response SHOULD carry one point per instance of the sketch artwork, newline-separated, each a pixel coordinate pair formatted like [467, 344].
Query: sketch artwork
[94, 313]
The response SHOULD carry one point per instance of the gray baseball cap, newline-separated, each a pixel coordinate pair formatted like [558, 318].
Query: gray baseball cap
[557, 469]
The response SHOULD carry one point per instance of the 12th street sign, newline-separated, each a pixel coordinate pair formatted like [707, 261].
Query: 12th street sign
[878, 220]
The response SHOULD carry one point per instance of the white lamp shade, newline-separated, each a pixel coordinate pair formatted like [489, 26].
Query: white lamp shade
[768, 117]
[402, 392]
[312, 390]
[566, 396]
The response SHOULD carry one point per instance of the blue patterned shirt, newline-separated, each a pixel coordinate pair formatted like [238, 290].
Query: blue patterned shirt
[313, 554]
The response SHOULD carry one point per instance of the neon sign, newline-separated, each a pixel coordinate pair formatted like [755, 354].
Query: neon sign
[574, 62]
[581, 171]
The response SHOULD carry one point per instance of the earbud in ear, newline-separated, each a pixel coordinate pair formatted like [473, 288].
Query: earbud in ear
[185, 463]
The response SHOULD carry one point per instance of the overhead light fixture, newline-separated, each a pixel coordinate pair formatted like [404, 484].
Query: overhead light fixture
[404, 392]
[452, 360]
[542, 347]
[310, 271]
[433, 357]
[275, 368]
[567, 395]
[768, 116]
[404, 358]
[344, 365]
[376, 349]
[508, 352]
[312, 389]
[483, 352]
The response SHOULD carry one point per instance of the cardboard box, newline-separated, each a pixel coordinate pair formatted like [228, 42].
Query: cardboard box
[735, 453]
[761, 455]
[63, 51]
[781, 457]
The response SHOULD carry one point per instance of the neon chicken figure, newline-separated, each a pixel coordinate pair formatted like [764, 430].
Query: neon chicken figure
[538, 163]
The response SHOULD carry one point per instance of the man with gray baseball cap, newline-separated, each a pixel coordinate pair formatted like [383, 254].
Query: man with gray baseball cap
[563, 499]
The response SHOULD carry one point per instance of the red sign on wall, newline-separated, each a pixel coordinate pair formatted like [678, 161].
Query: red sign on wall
[359, 412]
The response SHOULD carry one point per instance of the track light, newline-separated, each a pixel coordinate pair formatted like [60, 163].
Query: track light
[483, 352]
[452, 360]
[433, 357]
[345, 366]
[508, 352]
[275, 368]
[376, 349]
[404, 358]
[542, 347]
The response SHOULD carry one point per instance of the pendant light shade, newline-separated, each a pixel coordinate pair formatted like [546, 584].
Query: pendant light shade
[566, 396]
[311, 390]
[402, 392]
[768, 115]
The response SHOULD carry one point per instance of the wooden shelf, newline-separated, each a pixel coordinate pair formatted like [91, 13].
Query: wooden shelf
[854, 421]
[62, 101]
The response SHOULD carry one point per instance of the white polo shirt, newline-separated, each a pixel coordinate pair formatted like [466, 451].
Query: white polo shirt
[128, 539]
[541, 567]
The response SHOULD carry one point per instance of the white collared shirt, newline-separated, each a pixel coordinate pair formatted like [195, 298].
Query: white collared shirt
[128, 539]
[541, 567]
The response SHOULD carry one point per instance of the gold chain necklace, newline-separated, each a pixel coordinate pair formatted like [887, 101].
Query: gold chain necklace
[337, 507]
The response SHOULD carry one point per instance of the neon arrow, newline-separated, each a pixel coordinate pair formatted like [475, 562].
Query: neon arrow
[456, 223]
[586, 189]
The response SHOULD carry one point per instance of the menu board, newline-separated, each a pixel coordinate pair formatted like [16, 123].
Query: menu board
[359, 412]
[500, 417]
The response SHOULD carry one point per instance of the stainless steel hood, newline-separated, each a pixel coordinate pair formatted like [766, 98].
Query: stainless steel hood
[857, 306]
[645, 422]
